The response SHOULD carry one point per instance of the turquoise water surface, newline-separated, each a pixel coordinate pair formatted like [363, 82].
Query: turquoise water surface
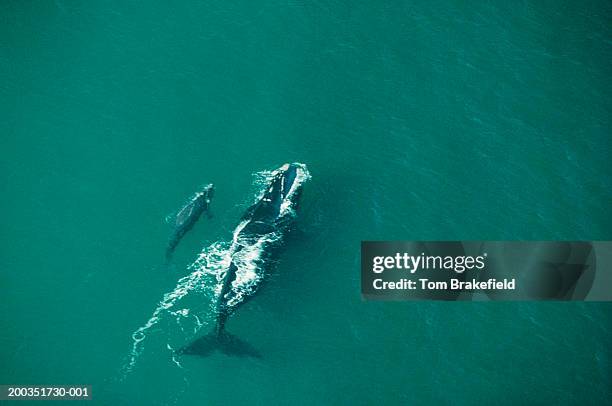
[427, 120]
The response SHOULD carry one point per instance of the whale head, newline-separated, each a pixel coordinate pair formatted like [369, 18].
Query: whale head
[209, 191]
[286, 186]
[280, 197]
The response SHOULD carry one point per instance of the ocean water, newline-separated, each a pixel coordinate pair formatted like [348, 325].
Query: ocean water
[418, 121]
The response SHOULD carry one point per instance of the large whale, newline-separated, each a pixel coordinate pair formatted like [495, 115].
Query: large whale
[259, 232]
[188, 215]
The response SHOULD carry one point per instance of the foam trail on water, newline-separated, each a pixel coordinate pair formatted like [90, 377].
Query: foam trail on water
[212, 261]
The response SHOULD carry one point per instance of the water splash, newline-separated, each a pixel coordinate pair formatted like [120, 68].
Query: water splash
[183, 304]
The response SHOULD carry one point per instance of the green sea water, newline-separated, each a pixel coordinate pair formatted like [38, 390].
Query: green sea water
[418, 120]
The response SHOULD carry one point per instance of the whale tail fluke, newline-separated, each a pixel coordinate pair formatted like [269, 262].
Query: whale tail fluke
[223, 342]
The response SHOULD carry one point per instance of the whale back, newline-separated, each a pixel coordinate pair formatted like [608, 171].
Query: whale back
[183, 216]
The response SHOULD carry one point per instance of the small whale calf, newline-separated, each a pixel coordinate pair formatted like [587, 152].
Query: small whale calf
[187, 216]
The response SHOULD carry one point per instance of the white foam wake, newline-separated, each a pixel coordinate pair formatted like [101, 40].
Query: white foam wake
[186, 303]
